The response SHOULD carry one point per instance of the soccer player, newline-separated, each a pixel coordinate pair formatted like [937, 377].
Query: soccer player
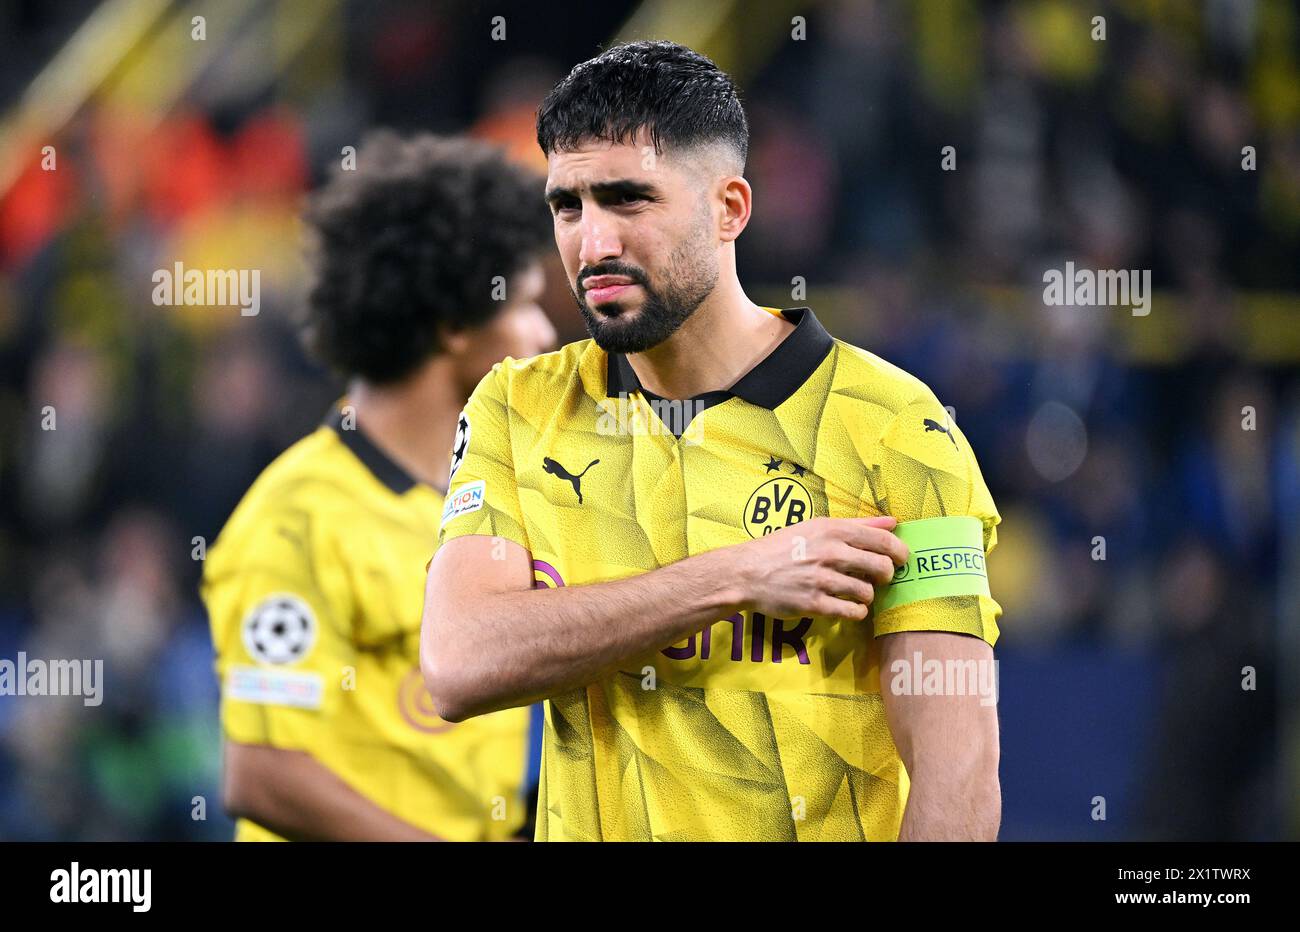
[426, 270]
[681, 532]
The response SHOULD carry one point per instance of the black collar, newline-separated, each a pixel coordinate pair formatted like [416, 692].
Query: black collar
[772, 381]
[380, 464]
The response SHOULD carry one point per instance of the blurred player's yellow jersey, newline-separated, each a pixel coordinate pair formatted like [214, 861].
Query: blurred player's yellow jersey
[314, 591]
[758, 727]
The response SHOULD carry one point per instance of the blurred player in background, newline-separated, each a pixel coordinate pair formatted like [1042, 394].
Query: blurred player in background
[710, 642]
[425, 271]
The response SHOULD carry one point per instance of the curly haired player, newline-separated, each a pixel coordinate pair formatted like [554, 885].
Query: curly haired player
[426, 269]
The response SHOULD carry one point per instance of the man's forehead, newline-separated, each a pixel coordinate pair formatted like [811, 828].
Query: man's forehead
[600, 160]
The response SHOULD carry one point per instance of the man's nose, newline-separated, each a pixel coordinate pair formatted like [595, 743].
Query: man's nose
[599, 242]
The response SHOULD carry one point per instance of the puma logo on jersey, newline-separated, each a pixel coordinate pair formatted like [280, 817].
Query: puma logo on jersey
[555, 469]
[935, 425]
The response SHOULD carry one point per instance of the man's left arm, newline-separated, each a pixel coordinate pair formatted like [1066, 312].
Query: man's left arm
[948, 743]
[945, 620]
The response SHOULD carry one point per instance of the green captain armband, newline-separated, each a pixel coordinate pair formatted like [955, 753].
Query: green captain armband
[946, 557]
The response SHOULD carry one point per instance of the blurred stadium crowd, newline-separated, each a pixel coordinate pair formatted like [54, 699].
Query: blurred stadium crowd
[1121, 678]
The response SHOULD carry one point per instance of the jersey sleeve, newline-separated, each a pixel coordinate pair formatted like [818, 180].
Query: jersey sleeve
[282, 631]
[930, 471]
[482, 491]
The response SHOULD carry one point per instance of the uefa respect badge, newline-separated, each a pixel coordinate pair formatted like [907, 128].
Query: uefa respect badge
[945, 557]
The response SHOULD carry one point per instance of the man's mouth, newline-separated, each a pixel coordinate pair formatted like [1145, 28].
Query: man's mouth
[603, 288]
[607, 293]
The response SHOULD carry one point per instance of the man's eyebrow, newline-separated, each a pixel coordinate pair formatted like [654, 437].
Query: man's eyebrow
[624, 186]
[558, 193]
[604, 189]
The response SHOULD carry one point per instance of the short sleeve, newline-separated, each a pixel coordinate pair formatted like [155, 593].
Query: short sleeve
[482, 491]
[284, 644]
[930, 471]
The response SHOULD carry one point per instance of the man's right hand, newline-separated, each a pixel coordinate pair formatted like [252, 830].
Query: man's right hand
[825, 566]
[490, 641]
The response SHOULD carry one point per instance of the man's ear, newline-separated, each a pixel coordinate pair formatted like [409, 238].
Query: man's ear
[453, 342]
[737, 204]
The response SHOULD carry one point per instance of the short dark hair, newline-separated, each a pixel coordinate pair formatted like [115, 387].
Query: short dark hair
[411, 240]
[681, 97]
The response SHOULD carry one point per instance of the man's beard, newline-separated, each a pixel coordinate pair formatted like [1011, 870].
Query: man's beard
[687, 282]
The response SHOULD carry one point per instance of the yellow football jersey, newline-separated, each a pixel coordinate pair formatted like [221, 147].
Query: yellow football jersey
[314, 590]
[757, 727]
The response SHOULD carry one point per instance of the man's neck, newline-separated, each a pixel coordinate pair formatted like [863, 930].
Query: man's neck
[726, 337]
[413, 421]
